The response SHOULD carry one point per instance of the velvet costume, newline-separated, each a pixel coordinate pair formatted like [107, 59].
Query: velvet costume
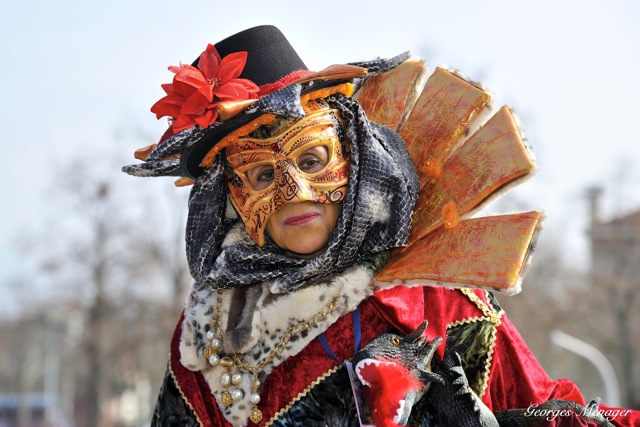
[515, 380]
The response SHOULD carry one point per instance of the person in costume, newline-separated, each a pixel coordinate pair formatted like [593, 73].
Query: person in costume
[327, 209]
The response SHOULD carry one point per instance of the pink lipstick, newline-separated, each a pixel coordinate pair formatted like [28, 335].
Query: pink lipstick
[301, 219]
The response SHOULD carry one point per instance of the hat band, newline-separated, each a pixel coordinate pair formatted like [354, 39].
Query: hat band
[268, 88]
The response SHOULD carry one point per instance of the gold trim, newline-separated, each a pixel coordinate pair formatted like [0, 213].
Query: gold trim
[302, 394]
[175, 381]
[492, 345]
[345, 88]
[244, 130]
[485, 377]
[229, 109]
[333, 72]
[493, 315]
[466, 321]
[490, 315]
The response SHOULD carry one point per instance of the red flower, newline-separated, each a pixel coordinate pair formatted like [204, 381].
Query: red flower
[195, 93]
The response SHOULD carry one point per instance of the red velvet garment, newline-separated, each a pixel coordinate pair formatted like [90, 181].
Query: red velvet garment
[288, 379]
[516, 379]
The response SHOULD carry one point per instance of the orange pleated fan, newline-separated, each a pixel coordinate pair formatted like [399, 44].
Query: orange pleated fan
[463, 162]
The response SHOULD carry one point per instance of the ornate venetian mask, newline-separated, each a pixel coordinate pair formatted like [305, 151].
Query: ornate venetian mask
[287, 162]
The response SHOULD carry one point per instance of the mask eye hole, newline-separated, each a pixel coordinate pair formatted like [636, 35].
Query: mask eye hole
[395, 341]
[313, 160]
[260, 177]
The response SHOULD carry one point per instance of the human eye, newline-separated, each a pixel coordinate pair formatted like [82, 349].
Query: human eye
[313, 160]
[260, 177]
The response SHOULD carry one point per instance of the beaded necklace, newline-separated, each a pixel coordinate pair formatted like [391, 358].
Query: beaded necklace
[235, 368]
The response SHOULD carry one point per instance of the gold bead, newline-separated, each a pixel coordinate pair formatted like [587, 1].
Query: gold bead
[256, 384]
[208, 351]
[226, 362]
[226, 399]
[255, 415]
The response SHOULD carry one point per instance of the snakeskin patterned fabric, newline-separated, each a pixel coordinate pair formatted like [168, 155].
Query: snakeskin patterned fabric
[376, 215]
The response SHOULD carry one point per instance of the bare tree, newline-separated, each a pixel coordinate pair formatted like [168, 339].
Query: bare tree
[612, 313]
[112, 267]
[547, 302]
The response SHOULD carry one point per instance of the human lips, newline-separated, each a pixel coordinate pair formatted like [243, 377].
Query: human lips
[301, 219]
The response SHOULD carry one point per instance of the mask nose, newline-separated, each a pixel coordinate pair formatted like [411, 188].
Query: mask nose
[292, 185]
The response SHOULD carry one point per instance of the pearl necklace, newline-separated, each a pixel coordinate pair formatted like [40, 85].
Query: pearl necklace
[235, 368]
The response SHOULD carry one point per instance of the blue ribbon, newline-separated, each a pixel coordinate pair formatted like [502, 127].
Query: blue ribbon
[357, 336]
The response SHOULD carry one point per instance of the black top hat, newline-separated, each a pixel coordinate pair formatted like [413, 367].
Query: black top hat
[270, 55]
[281, 77]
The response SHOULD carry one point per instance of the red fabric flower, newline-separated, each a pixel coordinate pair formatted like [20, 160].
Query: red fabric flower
[195, 93]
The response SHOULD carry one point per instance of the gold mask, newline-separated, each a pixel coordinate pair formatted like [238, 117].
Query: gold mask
[302, 162]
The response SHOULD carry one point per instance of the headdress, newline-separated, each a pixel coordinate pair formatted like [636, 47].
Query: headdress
[254, 74]
[381, 191]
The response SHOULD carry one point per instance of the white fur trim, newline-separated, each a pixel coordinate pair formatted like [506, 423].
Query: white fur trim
[269, 322]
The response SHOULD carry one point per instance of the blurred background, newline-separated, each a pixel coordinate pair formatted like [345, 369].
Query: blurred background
[92, 267]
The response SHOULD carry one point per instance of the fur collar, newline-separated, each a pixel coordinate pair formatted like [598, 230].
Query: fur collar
[254, 320]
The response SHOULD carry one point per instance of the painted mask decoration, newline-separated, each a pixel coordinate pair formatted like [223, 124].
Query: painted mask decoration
[288, 162]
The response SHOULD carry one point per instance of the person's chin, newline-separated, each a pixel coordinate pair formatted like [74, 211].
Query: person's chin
[308, 249]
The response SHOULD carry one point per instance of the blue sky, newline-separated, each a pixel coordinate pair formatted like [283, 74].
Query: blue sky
[77, 74]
